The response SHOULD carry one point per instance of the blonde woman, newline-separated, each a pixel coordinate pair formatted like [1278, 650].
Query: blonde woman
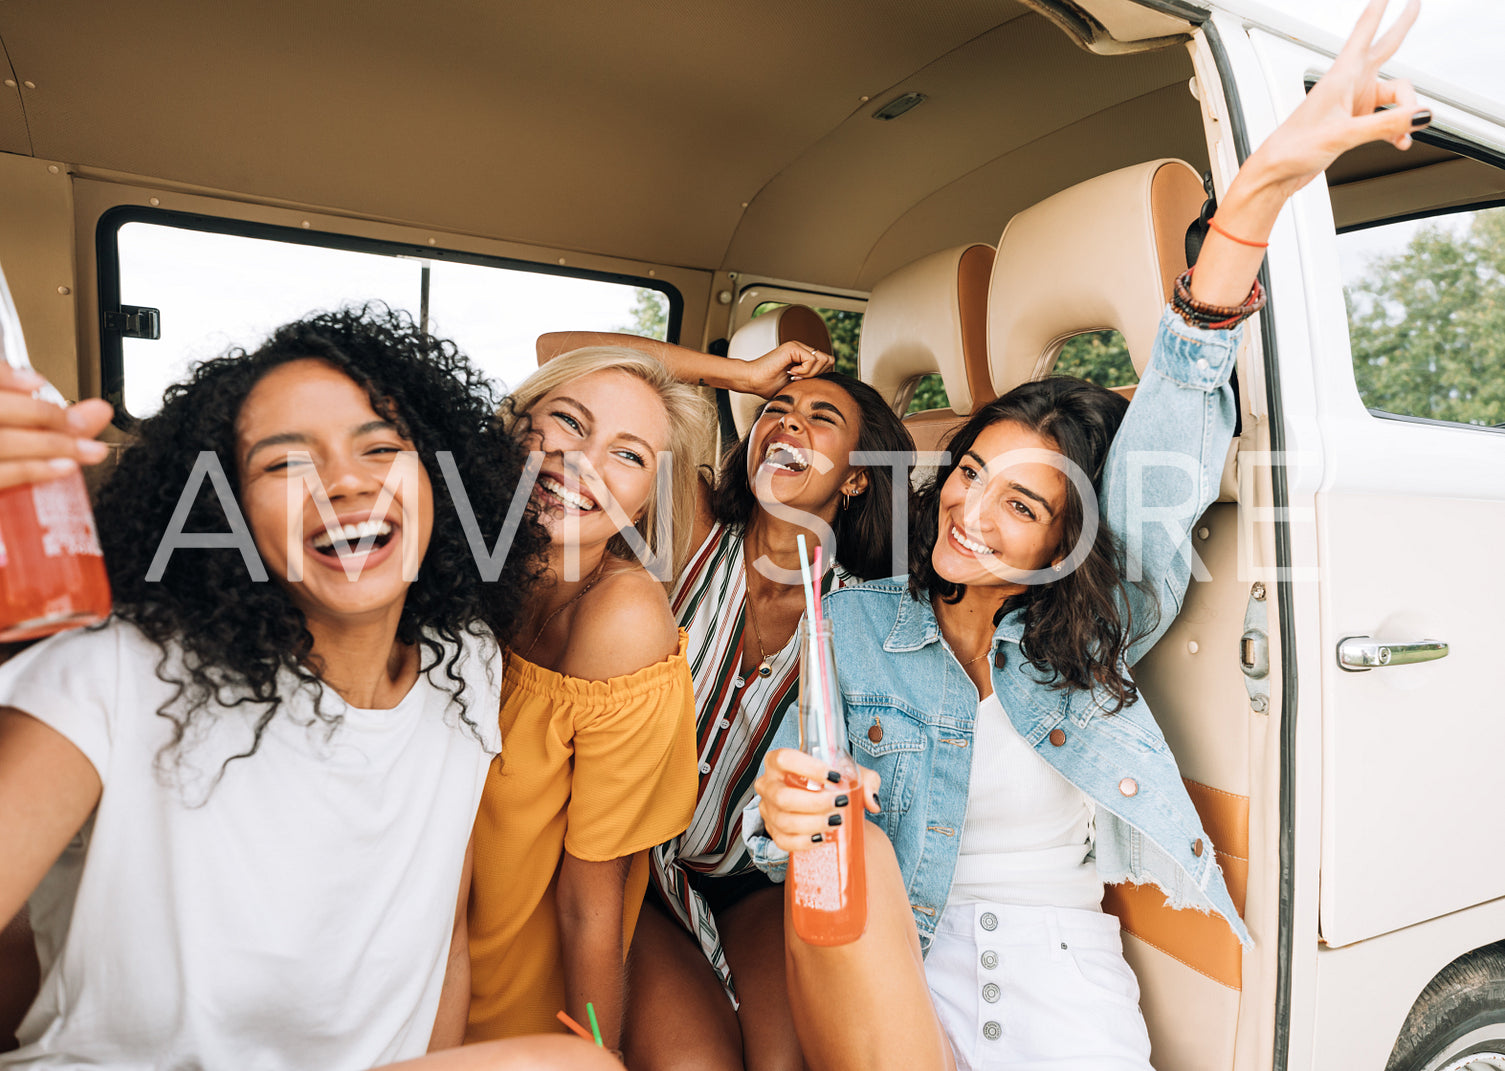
[597, 718]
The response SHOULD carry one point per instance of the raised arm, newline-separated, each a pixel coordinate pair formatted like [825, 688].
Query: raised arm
[1167, 459]
[764, 377]
[1340, 113]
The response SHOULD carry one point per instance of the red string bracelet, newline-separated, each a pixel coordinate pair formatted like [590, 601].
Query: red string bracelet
[1213, 223]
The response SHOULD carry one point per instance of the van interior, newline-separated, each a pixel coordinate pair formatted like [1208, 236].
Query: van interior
[980, 180]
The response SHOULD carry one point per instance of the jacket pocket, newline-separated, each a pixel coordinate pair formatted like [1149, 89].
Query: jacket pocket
[897, 755]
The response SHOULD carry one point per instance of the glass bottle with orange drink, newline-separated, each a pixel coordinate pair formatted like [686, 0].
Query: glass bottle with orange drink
[827, 882]
[52, 573]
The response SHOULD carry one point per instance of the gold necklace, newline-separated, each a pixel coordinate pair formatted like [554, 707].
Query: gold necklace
[596, 575]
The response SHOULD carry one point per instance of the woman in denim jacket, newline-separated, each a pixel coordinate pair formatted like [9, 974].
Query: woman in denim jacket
[988, 695]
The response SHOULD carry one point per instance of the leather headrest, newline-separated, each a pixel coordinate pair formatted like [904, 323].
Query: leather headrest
[792, 323]
[931, 316]
[1100, 255]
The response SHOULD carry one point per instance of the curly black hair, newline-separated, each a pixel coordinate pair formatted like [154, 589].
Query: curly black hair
[1072, 626]
[237, 636]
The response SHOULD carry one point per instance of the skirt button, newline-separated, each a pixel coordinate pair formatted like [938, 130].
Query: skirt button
[991, 1030]
[988, 921]
[991, 992]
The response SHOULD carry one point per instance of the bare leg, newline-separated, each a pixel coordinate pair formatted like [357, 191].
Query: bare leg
[753, 932]
[865, 1006]
[540, 1052]
[678, 1017]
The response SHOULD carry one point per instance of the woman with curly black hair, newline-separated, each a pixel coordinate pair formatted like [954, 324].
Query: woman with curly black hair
[243, 826]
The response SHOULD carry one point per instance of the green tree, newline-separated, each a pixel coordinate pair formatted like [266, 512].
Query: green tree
[1101, 357]
[1428, 325]
[844, 327]
[650, 314]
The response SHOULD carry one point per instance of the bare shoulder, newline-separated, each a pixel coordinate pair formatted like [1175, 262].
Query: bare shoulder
[622, 625]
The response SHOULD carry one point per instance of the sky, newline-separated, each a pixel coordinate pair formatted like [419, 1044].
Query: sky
[216, 291]
[1464, 38]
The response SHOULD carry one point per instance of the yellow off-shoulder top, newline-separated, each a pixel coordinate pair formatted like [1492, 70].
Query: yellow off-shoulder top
[602, 769]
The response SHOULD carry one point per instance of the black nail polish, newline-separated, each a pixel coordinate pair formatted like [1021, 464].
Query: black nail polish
[833, 777]
[1421, 119]
[817, 837]
[834, 820]
[842, 801]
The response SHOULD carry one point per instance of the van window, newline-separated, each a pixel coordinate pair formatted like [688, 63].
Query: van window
[1100, 357]
[221, 288]
[1426, 315]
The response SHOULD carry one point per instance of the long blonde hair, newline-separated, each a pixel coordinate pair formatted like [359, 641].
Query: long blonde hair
[692, 427]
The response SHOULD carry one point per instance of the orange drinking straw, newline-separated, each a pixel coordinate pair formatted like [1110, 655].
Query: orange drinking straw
[574, 1026]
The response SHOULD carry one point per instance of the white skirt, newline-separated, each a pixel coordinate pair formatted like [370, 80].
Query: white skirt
[1031, 988]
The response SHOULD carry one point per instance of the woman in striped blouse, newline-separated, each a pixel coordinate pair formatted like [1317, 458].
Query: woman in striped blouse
[712, 917]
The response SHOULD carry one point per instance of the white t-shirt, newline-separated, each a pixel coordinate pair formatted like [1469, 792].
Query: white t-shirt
[297, 914]
[1027, 838]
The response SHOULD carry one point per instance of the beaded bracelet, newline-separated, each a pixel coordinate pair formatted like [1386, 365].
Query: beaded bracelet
[1216, 317]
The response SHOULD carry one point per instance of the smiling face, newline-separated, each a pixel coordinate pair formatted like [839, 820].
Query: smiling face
[601, 435]
[799, 450]
[307, 432]
[1000, 516]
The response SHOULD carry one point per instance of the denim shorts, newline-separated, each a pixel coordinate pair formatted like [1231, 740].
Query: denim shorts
[1030, 988]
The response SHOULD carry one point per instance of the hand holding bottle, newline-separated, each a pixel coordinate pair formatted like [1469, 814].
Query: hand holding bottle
[40, 440]
[792, 813]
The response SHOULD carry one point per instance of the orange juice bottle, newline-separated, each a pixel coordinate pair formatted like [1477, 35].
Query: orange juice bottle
[827, 882]
[52, 574]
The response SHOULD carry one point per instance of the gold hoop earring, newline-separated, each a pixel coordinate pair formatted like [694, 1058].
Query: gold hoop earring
[846, 500]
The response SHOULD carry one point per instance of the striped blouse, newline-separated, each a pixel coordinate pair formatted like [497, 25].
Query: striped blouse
[734, 720]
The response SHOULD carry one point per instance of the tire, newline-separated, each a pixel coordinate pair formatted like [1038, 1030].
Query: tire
[1458, 1022]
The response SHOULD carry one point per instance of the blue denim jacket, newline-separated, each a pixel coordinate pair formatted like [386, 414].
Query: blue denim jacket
[1167, 459]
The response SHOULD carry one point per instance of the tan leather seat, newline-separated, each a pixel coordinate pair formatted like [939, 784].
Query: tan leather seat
[792, 323]
[1103, 255]
[1099, 256]
[931, 317]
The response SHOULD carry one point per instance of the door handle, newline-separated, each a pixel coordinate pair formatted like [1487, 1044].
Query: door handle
[1359, 653]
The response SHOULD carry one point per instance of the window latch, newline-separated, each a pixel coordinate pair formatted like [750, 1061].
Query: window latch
[134, 321]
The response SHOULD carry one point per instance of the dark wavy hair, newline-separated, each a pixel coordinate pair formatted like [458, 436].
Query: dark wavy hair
[236, 635]
[1072, 625]
[864, 530]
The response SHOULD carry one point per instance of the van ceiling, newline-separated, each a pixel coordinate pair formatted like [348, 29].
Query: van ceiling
[630, 130]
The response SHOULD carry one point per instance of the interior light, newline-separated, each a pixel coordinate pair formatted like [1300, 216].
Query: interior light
[899, 105]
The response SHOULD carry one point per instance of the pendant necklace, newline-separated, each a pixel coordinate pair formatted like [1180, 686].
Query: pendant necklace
[763, 669]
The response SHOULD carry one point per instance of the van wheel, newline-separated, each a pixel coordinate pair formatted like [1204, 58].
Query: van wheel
[1458, 1022]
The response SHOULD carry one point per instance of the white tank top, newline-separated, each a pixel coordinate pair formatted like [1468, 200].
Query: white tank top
[1027, 838]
